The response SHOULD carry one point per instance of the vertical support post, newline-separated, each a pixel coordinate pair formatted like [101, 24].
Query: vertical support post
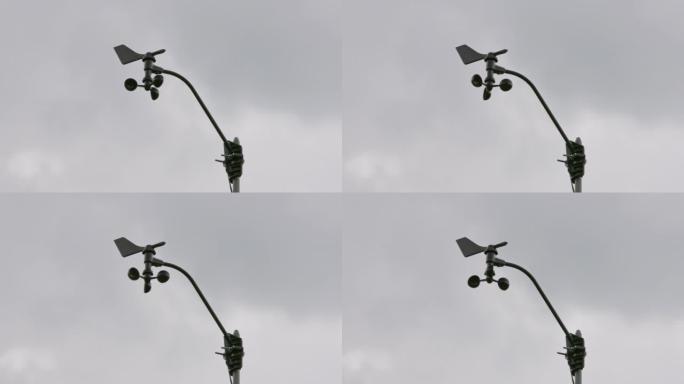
[578, 374]
[236, 182]
[578, 182]
[236, 374]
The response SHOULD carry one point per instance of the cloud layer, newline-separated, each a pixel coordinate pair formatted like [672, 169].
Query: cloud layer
[269, 71]
[269, 267]
[606, 262]
[413, 122]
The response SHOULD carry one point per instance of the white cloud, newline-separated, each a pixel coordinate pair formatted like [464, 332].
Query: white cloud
[28, 164]
[627, 154]
[26, 364]
[371, 166]
[366, 360]
[312, 347]
[620, 350]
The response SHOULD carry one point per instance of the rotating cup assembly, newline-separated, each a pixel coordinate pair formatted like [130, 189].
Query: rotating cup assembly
[151, 85]
[474, 280]
[134, 274]
[505, 85]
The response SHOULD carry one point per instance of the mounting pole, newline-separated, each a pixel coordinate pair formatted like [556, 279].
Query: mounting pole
[578, 374]
[578, 182]
[229, 349]
[503, 263]
[236, 183]
[575, 348]
[157, 69]
[236, 374]
[161, 263]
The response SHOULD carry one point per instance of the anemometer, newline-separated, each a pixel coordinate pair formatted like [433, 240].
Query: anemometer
[232, 342]
[575, 159]
[575, 350]
[233, 158]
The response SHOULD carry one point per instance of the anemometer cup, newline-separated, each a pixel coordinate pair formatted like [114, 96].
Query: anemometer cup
[133, 274]
[131, 84]
[487, 94]
[506, 85]
[503, 283]
[158, 80]
[476, 81]
[163, 276]
[474, 281]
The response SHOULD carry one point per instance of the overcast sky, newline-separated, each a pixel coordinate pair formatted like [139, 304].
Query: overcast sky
[372, 91]
[413, 122]
[609, 264]
[274, 269]
[269, 71]
[269, 267]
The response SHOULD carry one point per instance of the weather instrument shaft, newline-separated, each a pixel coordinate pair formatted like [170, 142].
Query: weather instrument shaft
[232, 342]
[574, 150]
[233, 158]
[574, 343]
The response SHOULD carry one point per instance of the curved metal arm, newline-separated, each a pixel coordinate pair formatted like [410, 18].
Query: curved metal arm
[546, 107]
[199, 292]
[194, 92]
[546, 300]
